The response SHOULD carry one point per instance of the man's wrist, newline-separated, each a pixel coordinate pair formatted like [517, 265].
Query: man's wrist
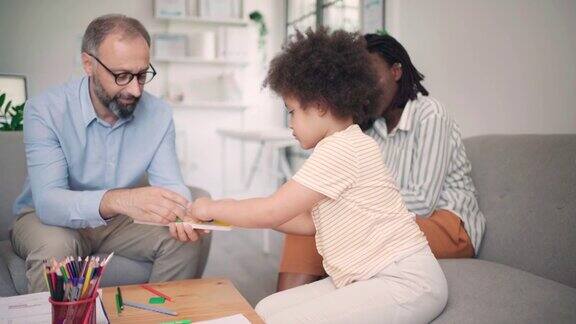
[113, 203]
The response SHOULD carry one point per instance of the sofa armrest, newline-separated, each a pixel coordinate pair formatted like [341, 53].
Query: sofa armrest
[7, 287]
[526, 191]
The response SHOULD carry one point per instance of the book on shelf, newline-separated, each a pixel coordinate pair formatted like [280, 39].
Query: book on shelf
[220, 9]
[170, 45]
[170, 8]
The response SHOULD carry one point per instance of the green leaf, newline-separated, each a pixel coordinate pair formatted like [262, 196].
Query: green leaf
[11, 117]
[18, 110]
[6, 111]
[15, 122]
[256, 16]
[382, 32]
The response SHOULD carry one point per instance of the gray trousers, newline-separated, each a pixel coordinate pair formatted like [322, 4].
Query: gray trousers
[172, 260]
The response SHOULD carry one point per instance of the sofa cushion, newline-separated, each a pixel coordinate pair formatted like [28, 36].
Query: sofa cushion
[527, 189]
[16, 267]
[487, 292]
[6, 285]
[13, 166]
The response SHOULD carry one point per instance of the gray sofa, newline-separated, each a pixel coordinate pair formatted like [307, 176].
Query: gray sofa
[12, 268]
[526, 268]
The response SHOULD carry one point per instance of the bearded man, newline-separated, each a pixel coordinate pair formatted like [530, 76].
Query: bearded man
[89, 143]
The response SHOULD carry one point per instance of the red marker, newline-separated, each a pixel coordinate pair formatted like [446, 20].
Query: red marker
[156, 292]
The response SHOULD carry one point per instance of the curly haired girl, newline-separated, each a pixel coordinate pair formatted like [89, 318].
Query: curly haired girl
[379, 265]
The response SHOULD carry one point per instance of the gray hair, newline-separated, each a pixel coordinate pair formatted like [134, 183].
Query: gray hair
[105, 25]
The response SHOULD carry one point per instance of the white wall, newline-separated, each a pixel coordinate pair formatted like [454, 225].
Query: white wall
[499, 66]
[41, 39]
[503, 66]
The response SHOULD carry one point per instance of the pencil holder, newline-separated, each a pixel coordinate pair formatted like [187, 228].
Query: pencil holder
[74, 312]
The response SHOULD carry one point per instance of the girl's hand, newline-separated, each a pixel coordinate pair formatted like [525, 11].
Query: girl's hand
[185, 232]
[199, 209]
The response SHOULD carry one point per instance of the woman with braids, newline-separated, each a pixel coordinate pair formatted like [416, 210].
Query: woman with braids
[422, 147]
[379, 265]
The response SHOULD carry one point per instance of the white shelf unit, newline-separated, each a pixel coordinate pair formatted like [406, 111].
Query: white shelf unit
[200, 60]
[208, 21]
[207, 105]
[221, 105]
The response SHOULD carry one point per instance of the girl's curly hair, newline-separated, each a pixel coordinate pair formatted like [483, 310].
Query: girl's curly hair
[330, 68]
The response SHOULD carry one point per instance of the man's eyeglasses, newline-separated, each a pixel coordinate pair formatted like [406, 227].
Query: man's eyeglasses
[124, 78]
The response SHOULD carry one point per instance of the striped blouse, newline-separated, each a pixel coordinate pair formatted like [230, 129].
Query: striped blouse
[426, 156]
[363, 225]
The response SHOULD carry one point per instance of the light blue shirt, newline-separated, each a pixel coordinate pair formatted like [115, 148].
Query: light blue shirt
[74, 157]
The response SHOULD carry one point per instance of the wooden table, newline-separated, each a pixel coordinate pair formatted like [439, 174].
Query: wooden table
[195, 299]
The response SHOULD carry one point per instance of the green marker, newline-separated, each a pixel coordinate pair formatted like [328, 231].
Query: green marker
[183, 321]
[120, 301]
[117, 299]
[156, 300]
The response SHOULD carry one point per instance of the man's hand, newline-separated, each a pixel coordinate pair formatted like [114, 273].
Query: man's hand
[147, 204]
[184, 232]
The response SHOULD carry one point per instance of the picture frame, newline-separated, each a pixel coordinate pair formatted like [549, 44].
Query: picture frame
[14, 86]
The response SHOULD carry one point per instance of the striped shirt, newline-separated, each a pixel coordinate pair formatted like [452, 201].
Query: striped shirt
[426, 156]
[363, 224]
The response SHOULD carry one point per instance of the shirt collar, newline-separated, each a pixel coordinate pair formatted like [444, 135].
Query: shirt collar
[404, 124]
[88, 111]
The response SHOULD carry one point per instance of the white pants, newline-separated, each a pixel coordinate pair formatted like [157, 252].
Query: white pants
[410, 290]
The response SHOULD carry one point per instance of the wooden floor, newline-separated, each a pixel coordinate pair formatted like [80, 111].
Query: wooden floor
[238, 256]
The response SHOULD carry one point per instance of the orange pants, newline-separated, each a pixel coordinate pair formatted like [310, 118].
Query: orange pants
[443, 229]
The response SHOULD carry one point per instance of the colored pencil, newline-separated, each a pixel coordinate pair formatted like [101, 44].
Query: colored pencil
[156, 292]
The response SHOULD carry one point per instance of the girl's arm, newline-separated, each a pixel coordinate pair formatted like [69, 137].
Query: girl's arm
[299, 225]
[291, 200]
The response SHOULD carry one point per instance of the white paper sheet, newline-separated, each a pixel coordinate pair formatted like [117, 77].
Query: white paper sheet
[33, 309]
[234, 319]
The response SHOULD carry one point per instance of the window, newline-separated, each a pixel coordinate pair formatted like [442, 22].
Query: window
[335, 14]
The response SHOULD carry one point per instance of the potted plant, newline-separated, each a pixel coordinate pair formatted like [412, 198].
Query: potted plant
[258, 18]
[11, 135]
[11, 117]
